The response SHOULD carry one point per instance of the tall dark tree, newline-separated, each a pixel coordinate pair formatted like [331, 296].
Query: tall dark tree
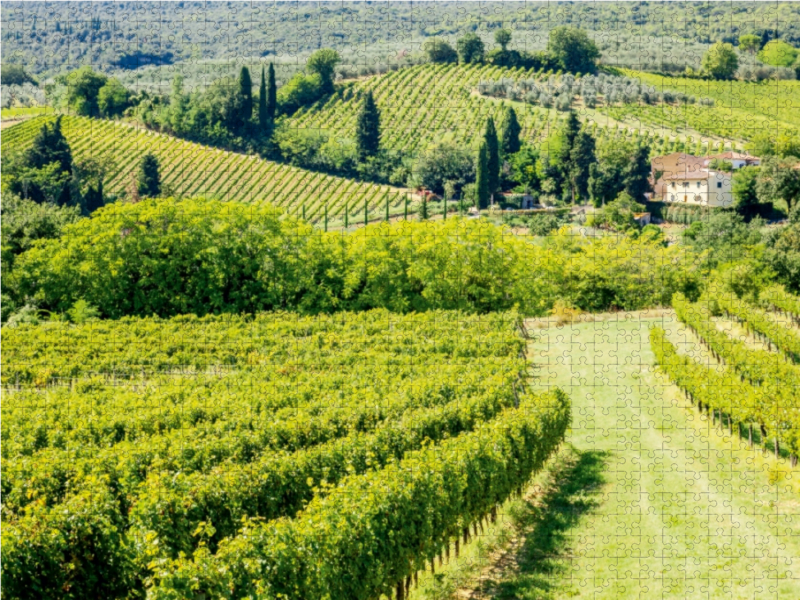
[149, 180]
[509, 136]
[571, 129]
[368, 128]
[272, 93]
[50, 146]
[44, 171]
[636, 176]
[93, 198]
[582, 157]
[482, 176]
[246, 95]
[493, 155]
[264, 121]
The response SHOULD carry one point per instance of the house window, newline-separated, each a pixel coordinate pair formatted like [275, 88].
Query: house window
[698, 184]
[685, 184]
[719, 184]
[672, 197]
[673, 184]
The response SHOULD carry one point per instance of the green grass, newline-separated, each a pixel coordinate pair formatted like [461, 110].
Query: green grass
[25, 111]
[653, 502]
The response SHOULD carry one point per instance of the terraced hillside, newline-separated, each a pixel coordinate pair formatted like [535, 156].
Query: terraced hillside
[429, 103]
[190, 169]
[741, 109]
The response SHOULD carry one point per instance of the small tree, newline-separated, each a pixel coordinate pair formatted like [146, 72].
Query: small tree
[778, 180]
[720, 61]
[112, 99]
[482, 176]
[573, 50]
[503, 38]
[750, 43]
[148, 183]
[323, 62]
[423, 209]
[439, 51]
[470, 49]
[778, 54]
[509, 141]
[744, 188]
[368, 128]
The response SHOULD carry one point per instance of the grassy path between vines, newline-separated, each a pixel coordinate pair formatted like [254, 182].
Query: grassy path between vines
[646, 499]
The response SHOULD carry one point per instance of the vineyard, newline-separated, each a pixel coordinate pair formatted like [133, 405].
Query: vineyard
[741, 109]
[189, 169]
[275, 455]
[748, 386]
[432, 103]
[669, 108]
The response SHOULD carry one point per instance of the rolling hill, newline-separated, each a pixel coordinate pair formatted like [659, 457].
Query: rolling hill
[190, 169]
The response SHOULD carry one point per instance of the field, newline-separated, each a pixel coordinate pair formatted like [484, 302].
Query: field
[443, 105]
[152, 450]
[650, 498]
[190, 169]
[741, 109]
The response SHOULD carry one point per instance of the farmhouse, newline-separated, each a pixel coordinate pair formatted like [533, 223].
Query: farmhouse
[684, 178]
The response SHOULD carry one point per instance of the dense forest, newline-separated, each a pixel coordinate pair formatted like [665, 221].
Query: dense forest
[49, 37]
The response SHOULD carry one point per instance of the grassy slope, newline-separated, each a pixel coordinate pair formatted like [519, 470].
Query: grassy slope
[191, 169]
[675, 510]
[741, 109]
[430, 103]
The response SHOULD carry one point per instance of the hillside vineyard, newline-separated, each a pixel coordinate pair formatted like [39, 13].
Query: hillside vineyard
[456, 300]
[261, 418]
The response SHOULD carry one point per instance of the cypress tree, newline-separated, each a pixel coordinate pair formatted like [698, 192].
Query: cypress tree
[636, 176]
[264, 120]
[93, 198]
[509, 143]
[493, 156]
[582, 158]
[149, 182]
[368, 129]
[482, 176]
[49, 146]
[272, 93]
[246, 95]
[423, 209]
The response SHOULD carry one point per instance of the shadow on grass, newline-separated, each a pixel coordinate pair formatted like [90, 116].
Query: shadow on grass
[545, 553]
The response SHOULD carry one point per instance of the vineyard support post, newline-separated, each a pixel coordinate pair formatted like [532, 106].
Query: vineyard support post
[365, 212]
[326, 217]
[345, 215]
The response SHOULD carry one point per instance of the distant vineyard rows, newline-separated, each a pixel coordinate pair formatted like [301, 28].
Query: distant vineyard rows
[189, 169]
